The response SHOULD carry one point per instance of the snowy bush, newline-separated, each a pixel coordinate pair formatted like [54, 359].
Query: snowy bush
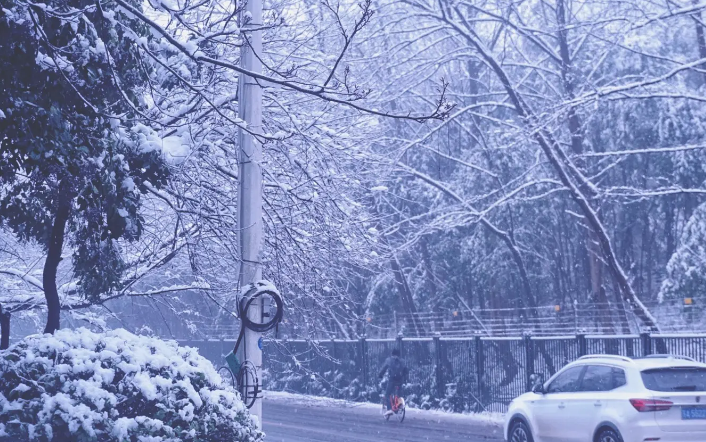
[82, 386]
[686, 270]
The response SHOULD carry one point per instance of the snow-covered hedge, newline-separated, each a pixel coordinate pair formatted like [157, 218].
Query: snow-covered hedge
[77, 385]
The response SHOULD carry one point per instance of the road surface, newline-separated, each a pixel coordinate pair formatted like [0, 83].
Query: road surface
[288, 420]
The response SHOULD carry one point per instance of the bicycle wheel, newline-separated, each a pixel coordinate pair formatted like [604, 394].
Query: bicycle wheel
[401, 411]
[248, 384]
[227, 377]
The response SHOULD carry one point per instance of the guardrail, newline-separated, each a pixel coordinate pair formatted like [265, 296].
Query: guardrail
[470, 374]
[460, 374]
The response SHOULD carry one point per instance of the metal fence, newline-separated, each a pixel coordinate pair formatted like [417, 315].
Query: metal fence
[674, 316]
[460, 374]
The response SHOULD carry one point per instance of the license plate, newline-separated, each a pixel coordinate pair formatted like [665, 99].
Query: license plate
[693, 413]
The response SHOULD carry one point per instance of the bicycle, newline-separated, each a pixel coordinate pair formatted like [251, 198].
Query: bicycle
[397, 405]
[227, 377]
[244, 382]
[243, 377]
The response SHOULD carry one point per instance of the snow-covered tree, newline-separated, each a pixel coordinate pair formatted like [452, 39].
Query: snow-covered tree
[180, 101]
[686, 270]
[574, 151]
[70, 170]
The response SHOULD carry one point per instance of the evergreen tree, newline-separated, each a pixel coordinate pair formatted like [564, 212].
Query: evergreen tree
[70, 81]
[686, 270]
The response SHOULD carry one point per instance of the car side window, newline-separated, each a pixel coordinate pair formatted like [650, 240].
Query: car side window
[618, 377]
[566, 382]
[597, 378]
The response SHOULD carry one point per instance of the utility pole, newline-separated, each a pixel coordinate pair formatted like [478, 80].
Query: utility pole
[250, 174]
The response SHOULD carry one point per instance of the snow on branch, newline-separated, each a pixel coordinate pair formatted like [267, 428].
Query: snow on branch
[23, 276]
[644, 151]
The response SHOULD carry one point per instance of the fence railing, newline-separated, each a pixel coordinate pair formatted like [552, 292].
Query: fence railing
[674, 316]
[470, 374]
[460, 374]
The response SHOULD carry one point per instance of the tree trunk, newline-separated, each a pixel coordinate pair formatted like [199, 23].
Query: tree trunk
[506, 237]
[593, 249]
[669, 230]
[598, 293]
[56, 244]
[622, 314]
[428, 271]
[430, 283]
[4, 329]
[700, 39]
[406, 297]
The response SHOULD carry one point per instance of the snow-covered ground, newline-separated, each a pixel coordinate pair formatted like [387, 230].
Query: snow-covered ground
[319, 401]
[298, 418]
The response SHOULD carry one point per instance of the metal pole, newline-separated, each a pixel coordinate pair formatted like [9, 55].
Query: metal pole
[582, 344]
[364, 359]
[250, 175]
[480, 367]
[529, 361]
[646, 343]
[438, 369]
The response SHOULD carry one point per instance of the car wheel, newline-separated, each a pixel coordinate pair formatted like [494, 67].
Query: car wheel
[520, 433]
[609, 435]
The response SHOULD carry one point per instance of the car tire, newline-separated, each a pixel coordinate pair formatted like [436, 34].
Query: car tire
[609, 435]
[520, 432]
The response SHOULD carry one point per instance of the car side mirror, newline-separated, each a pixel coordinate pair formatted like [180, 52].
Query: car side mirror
[539, 389]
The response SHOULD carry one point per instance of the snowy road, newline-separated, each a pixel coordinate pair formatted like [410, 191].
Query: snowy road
[291, 419]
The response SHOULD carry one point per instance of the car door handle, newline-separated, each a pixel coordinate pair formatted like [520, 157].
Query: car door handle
[562, 405]
[597, 404]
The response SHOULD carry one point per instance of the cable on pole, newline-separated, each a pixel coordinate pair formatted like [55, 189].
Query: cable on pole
[246, 377]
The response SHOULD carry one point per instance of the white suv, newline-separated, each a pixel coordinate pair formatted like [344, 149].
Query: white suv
[604, 398]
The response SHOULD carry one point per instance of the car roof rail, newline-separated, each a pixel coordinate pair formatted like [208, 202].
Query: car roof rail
[667, 356]
[614, 357]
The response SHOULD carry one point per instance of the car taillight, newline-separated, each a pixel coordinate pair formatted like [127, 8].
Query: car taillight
[643, 405]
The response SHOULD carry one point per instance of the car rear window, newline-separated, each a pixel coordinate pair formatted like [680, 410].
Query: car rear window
[675, 379]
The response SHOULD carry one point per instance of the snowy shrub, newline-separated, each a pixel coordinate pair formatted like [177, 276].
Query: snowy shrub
[77, 385]
[686, 270]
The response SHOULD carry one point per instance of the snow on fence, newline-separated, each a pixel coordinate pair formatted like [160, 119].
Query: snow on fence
[470, 374]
